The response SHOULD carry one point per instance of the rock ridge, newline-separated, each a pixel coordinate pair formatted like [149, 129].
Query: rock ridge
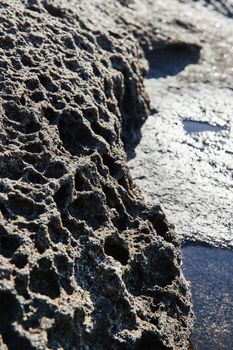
[85, 263]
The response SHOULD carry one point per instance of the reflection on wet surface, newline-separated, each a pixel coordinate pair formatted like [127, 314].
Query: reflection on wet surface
[210, 272]
[191, 126]
[184, 159]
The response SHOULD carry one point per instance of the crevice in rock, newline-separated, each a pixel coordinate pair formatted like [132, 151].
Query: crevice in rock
[115, 248]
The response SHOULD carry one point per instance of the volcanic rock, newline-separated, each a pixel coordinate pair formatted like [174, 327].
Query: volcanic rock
[85, 263]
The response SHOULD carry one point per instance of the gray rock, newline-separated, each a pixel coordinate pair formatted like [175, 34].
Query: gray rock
[184, 160]
[85, 263]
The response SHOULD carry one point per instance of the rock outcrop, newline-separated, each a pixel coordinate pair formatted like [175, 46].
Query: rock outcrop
[85, 263]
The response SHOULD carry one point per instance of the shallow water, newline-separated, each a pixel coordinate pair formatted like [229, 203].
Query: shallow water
[210, 272]
[191, 126]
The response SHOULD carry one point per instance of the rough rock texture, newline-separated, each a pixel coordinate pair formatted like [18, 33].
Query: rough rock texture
[85, 264]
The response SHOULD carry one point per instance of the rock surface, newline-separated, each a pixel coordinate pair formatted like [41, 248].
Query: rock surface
[85, 263]
[184, 160]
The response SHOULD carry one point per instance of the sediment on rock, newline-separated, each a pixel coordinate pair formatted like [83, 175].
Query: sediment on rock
[85, 263]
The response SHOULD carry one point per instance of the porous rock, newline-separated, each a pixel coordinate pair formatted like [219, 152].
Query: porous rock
[85, 263]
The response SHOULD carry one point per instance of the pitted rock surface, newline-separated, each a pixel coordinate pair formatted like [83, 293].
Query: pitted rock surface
[85, 263]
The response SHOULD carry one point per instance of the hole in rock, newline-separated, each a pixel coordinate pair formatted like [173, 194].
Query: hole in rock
[81, 184]
[150, 341]
[32, 83]
[48, 83]
[4, 211]
[57, 233]
[160, 226]
[11, 168]
[33, 148]
[79, 99]
[55, 170]
[113, 166]
[44, 281]
[15, 341]
[62, 196]
[53, 10]
[89, 207]
[20, 260]
[114, 247]
[75, 136]
[50, 114]
[21, 283]
[8, 245]
[62, 264]
[9, 309]
[90, 113]
[27, 61]
[104, 42]
[172, 59]
[35, 177]
[13, 112]
[37, 96]
[31, 127]
[23, 206]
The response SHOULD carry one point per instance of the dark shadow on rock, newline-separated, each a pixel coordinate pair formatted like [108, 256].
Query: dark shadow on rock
[171, 59]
